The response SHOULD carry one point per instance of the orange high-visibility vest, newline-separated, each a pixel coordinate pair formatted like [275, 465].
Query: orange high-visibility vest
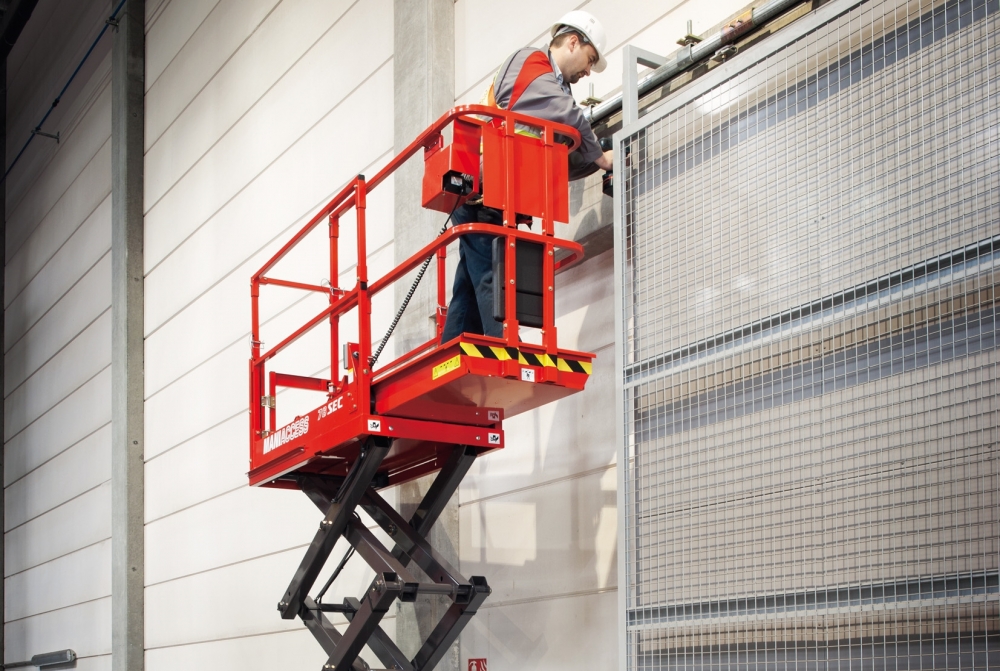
[536, 65]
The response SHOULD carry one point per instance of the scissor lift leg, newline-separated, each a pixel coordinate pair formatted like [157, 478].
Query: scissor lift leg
[338, 499]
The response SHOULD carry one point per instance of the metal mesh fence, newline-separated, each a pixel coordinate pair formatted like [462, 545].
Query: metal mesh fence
[812, 417]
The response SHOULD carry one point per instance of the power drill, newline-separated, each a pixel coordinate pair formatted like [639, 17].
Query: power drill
[608, 179]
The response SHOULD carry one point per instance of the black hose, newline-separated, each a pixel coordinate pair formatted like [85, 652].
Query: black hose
[406, 301]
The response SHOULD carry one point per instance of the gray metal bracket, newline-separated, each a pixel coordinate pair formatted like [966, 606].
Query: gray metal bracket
[338, 499]
[633, 58]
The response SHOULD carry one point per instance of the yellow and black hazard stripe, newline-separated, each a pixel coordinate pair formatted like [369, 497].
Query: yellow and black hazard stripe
[525, 358]
[540, 360]
[489, 352]
[572, 366]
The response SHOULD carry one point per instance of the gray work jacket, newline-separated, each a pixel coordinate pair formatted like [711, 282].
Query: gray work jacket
[549, 98]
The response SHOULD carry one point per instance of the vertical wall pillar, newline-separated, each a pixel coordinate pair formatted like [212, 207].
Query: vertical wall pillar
[128, 64]
[424, 84]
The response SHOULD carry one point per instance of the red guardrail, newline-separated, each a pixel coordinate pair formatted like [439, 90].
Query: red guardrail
[520, 174]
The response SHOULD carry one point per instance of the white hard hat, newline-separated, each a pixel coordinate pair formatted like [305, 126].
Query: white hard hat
[588, 26]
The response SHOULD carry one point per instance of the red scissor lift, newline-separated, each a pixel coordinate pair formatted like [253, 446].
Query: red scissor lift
[434, 409]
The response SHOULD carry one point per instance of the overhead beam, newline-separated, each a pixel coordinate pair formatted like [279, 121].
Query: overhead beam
[128, 54]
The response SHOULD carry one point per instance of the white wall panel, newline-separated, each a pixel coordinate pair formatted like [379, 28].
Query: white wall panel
[215, 41]
[215, 533]
[83, 358]
[101, 663]
[572, 436]
[289, 123]
[211, 463]
[77, 416]
[585, 304]
[209, 395]
[41, 490]
[85, 628]
[221, 316]
[290, 31]
[294, 185]
[504, 28]
[84, 575]
[81, 522]
[85, 302]
[571, 633]
[238, 600]
[295, 649]
[75, 151]
[554, 539]
[170, 26]
[57, 344]
[216, 391]
[79, 211]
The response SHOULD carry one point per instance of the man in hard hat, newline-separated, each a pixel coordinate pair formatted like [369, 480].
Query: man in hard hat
[536, 82]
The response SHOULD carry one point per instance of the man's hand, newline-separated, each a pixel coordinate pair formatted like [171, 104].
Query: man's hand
[607, 161]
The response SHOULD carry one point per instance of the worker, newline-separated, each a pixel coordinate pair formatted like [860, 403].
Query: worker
[536, 82]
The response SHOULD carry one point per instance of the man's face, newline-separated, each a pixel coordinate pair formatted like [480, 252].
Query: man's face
[575, 59]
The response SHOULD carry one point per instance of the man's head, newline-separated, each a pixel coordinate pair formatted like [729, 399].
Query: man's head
[577, 45]
[574, 56]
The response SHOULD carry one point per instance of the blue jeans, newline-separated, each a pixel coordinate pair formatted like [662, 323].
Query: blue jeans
[471, 307]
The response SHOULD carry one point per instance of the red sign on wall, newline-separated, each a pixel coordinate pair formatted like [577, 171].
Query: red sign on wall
[477, 664]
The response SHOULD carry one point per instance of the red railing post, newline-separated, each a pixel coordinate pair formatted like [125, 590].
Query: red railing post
[272, 383]
[256, 368]
[548, 260]
[334, 281]
[363, 365]
[441, 314]
[510, 334]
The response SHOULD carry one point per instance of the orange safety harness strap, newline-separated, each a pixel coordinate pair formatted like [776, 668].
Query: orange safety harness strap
[536, 65]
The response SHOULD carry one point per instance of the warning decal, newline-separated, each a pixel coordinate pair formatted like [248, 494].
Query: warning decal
[446, 367]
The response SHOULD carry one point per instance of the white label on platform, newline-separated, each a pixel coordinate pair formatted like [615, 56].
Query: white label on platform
[528, 374]
[374, 425]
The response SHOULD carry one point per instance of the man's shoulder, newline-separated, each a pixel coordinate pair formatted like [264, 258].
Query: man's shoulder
[521, 55]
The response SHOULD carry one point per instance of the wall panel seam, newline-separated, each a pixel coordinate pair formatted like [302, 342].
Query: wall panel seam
[49, 309]
[55, 507]
[47, 212]
[566, 478]
[239, 562]
[550, 597]
[60, 452]
[337, 620]
[243, 336]
[62, 556]
[49, 260]
[56, 610]
[253, 179]
[55, 405]
[66, 133]
[252, 105]
[180, 49]
[213, 497]
[54, 355]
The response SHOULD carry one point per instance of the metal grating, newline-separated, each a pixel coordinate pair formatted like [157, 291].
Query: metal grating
[808, 341]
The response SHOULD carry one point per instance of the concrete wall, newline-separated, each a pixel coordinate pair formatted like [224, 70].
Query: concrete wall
[257, 111]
